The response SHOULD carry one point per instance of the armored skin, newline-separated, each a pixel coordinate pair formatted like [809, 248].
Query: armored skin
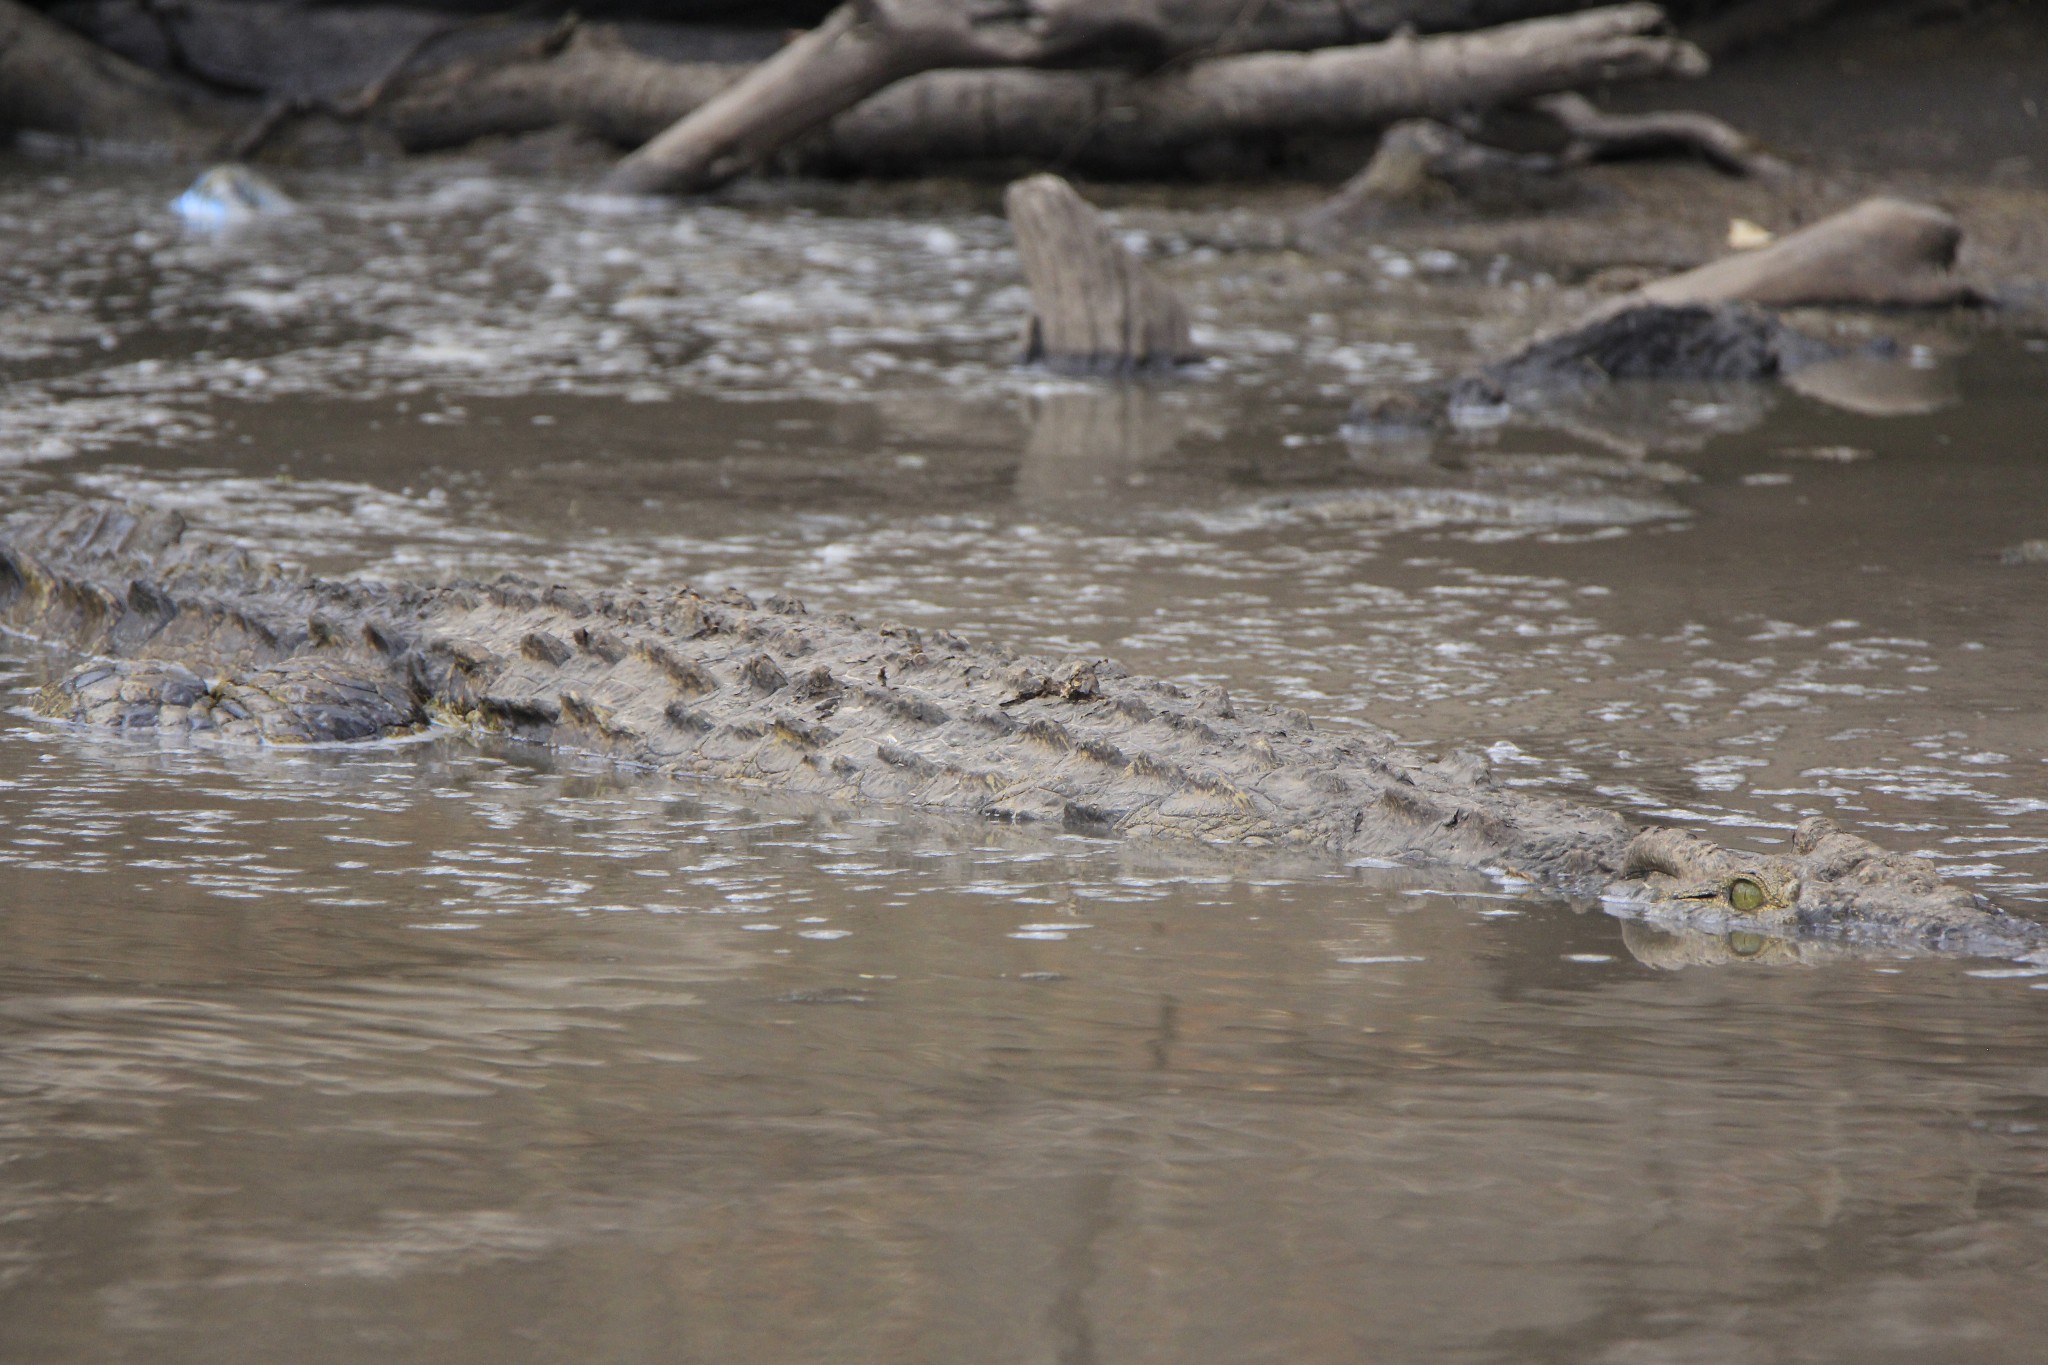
[190, 633]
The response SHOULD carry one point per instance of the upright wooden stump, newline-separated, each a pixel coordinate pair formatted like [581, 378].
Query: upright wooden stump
[1094, 305]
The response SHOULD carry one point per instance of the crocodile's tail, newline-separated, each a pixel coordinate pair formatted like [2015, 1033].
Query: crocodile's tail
[115, 579]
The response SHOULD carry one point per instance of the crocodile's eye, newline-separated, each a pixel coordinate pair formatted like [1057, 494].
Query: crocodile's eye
[1742, 943]
[1746, 894]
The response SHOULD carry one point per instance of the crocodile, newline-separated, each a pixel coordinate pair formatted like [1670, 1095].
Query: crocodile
[193, 634]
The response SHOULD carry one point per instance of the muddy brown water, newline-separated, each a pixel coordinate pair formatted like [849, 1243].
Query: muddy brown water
[446, 1051]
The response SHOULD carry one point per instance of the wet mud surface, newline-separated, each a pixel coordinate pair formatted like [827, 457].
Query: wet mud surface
[470, 1052]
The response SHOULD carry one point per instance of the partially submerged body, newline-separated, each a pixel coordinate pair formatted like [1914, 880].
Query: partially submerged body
[195, 635]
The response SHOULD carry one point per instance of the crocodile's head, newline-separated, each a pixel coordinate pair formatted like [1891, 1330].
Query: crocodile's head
[1834, 885]
[1678, 868]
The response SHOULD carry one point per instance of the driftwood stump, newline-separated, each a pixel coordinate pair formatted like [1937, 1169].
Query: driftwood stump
[1094, 305]
[1883, 253]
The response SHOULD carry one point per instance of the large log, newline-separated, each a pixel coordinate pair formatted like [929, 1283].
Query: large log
[467, 72]
[54, 81]
[440, 87]
[1106, 120]
[868, 45]
[1123, 121]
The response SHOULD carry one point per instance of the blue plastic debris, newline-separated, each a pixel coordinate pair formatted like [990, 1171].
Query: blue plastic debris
[230, 194]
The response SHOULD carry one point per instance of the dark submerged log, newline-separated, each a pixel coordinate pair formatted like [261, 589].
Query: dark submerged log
[54, 81]
[1693, 342]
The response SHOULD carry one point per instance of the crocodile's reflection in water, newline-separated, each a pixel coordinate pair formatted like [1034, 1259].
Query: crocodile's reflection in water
[1672, 948]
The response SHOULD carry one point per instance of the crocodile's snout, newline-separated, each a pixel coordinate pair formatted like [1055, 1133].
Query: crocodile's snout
[1834, 883]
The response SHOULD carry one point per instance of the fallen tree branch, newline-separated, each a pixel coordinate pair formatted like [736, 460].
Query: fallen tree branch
[600, 84]
[863, 48]
[1425, 167]
[1596, 135]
